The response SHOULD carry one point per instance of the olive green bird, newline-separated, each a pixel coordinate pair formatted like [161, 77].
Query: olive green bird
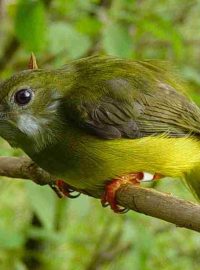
[101, 121]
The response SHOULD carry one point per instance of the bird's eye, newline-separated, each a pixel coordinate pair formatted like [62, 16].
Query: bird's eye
[23, 96]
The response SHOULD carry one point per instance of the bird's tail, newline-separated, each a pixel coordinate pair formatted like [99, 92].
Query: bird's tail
[193, 182]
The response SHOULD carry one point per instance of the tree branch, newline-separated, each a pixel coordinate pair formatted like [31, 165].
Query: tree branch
[153, 203]
[143, 200]
[23, 168]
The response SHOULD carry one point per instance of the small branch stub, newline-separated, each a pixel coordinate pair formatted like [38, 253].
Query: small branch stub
[32, 62]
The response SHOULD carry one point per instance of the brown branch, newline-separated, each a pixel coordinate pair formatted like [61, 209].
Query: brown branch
[147, 201]
[150, 202]
[23, 168]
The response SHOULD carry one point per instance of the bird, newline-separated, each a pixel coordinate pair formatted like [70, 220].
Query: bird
[101, 121]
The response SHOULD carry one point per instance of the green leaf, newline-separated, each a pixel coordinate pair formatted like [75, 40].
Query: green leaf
[30, 24]
[65, 38]
[73, 7]
[88, 25]
[10, 239]
[43, 202]
[191, 74]
[164, 30]
[117, 41]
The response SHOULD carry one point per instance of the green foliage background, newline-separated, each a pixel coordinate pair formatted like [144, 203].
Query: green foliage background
[39, 231]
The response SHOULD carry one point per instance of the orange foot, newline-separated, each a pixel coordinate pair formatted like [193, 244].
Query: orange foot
[109, 197]
[62, 189]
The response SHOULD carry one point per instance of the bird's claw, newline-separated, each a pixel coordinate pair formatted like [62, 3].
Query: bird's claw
[108, 197]
[115, 207]
[62, 189]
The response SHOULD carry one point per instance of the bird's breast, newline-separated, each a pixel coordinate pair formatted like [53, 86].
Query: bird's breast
[89, 162]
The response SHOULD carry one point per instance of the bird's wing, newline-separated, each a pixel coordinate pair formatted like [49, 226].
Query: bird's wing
[123, 110]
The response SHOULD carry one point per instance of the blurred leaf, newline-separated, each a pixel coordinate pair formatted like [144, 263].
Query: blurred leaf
[30, 24]
[191, 74]
[164, 30]
[117, 40]
[44, 234]
[11, 239]
[71, 6]
[43, 202]
[64, 37]
[88, 25]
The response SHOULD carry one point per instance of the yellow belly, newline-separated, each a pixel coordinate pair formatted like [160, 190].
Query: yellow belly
[168, 156]
[101, 160]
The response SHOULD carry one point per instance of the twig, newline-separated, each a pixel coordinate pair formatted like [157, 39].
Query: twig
[9, 51]
[147, 201]
[33, 248]
[109, 247]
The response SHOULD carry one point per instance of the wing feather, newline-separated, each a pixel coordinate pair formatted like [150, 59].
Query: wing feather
[125, 106]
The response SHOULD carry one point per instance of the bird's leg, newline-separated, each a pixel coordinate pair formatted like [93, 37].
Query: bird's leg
[112, 186]
[62, 189]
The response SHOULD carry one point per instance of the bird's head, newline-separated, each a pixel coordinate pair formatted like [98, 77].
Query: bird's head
[29, 103]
